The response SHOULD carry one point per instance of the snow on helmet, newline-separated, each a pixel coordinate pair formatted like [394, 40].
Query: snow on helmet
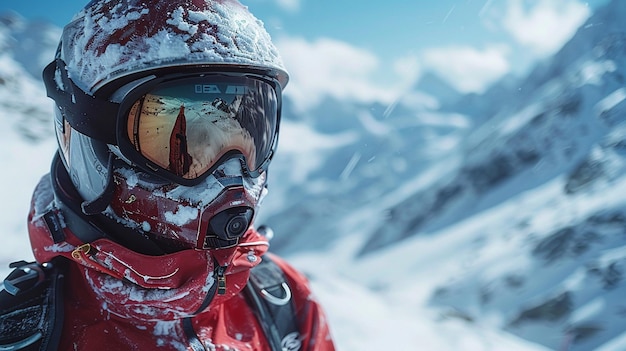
[110, 39]
[167, 116]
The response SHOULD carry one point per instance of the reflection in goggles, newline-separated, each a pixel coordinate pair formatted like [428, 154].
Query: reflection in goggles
[186, 128]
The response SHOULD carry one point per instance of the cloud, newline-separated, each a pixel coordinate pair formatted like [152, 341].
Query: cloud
[289, 5]
[408, 67]
[544, 25]
[332, 68]
[468, 69]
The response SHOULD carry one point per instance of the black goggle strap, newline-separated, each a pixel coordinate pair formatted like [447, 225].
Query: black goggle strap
[89, 115]
[100, 203]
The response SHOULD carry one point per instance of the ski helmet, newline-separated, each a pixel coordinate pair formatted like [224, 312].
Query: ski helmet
[167, 115]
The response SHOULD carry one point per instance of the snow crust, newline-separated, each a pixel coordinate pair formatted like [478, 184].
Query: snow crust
[221, 32]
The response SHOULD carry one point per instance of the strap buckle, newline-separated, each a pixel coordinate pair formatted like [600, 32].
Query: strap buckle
[25, 277]
[279, 301]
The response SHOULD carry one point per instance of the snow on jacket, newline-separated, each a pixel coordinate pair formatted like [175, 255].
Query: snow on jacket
[117, 299]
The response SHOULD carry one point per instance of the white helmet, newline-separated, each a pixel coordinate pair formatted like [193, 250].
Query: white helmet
[167, 116]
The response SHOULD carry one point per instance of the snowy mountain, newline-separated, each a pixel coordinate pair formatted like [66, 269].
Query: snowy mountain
[440, 222]
[25, 48]
[431, 84]
[32, 44]
[520, 223]
[27, 134]
[533, 202]
[366, 151]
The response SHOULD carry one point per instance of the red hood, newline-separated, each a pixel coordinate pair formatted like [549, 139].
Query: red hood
[149, 288]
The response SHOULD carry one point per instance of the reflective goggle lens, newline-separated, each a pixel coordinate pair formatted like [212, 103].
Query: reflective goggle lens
[186, 126]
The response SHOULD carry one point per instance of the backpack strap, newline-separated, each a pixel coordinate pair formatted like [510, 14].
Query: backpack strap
[270, 296]
[31, 306]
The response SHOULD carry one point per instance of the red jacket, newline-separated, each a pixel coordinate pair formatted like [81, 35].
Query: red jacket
[117, 299]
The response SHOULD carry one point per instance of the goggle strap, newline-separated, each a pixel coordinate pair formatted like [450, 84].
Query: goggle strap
[78, 107]
[100, 203]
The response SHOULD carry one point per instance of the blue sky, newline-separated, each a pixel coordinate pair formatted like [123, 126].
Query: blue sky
[369, 50]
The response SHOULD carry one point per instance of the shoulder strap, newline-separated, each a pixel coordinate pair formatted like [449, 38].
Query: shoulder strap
[31, 307]
[270, 296]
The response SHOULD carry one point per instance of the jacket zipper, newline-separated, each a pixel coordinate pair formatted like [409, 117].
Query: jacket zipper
[219, 288]
[221, 279]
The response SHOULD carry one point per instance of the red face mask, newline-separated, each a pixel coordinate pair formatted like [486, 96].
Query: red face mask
[213, 214]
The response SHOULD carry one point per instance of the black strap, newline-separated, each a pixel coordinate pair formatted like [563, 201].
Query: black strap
[270, 296]
[194, 341]
[31, 307]
[78, 107]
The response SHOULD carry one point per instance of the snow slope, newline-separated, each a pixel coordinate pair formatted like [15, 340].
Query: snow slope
[27, 140]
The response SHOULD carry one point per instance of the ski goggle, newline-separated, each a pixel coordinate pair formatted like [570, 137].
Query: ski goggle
[180, 126]
[185, 126]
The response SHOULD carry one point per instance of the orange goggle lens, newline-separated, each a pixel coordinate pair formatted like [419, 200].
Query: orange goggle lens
[186, 126]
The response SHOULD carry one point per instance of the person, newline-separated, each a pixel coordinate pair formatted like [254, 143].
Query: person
[167, 115]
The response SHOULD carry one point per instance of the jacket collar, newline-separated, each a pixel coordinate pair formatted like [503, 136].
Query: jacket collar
[140, 286]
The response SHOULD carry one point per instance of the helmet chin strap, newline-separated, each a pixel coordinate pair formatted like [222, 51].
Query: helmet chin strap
[100, 203]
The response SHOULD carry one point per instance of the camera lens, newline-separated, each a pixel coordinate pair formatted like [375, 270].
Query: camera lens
[231, 223]
[236, 226]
